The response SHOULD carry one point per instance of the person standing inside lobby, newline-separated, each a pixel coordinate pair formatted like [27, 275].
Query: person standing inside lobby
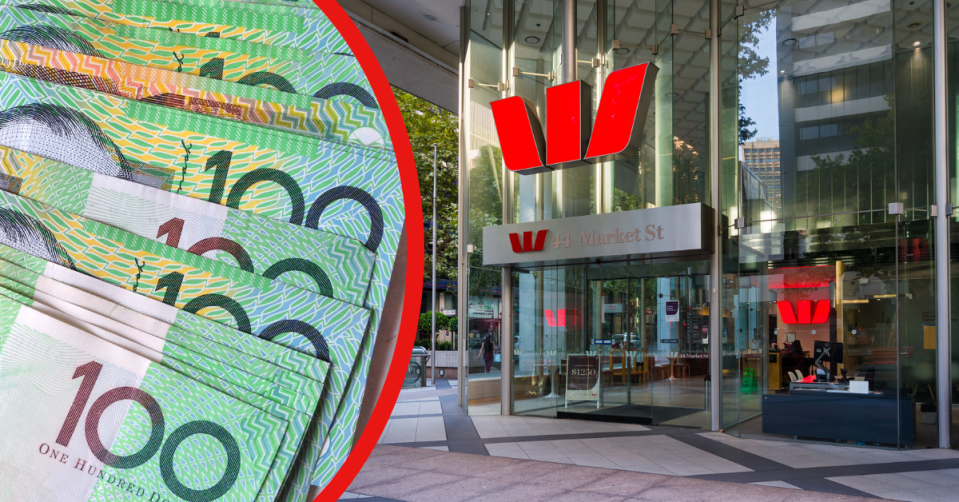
[486, 352]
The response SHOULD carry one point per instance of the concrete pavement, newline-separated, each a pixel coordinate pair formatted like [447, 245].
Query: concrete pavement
[431, 450]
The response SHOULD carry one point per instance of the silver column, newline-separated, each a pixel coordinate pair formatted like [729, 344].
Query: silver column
[433, 305]
[602, 200]
[715, 261]
[943, 345]
[569, 41]
[506, 344]
[462, 269]
[506, 295]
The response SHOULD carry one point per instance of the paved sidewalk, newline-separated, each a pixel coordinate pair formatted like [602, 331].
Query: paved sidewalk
[426, 424]
[410, 474]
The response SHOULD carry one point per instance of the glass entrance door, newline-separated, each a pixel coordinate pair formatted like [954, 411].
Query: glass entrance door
[648, 337]
[626, 391]
[677, 349]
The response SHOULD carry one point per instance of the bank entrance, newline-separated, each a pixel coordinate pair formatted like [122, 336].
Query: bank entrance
[613, 342]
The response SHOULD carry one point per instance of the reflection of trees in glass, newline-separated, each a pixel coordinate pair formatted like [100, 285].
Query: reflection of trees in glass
[624, 200]
[751, 64]
[689, 180]
[485, 210]
[861, 180]
[486, 186]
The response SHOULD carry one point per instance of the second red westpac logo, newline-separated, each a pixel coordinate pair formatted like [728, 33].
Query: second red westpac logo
[527, 245]
[805, 314]
[617, 134]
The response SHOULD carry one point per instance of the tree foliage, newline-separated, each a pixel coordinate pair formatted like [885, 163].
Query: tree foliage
[486, 210]
[745, 133]
[427, 124]
[860, 180]
[751, 64]
[426, 320]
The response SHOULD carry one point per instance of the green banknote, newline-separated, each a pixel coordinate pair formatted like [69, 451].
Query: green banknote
[100, 250]
[177, 342]
[356, 196]
[350, 191]
[64, 441]
[335, 76]
[233, 382]
[281, 176]
[320, 118]
[307, 4]
[304, 29]
[322, 262]
[157, 318]
[298, 319]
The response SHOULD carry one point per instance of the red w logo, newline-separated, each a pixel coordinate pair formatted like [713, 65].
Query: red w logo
[617, 134]
[527, 245]
[806, 316]
[561, 317]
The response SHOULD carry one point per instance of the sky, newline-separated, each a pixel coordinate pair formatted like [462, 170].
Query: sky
[759, 94]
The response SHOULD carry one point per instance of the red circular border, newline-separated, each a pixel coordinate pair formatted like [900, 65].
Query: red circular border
[414, 249]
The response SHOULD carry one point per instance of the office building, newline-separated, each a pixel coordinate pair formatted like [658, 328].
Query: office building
[762, 159]
[786, 285]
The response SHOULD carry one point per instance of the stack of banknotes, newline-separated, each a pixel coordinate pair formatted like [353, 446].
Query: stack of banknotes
[199, 216]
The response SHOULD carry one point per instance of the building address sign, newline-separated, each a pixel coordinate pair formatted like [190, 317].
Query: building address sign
[643, 233]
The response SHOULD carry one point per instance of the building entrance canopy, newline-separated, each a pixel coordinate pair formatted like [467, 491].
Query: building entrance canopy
[671, 231]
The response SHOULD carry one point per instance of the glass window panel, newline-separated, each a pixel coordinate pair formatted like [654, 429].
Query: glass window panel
[486, 188]
[846, 102]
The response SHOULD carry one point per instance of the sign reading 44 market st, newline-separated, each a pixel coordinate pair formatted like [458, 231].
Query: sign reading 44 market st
[643, 233]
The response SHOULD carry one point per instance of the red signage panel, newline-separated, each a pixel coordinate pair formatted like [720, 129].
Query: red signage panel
[568, 122]
[621, 115]
[520, 135]
[617, 132]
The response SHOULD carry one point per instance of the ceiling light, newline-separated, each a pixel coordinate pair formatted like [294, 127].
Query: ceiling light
[431, 17]
[855, 301]
[532, 40]
[782, 71]
[916, 43]
[789, 42]
[622, 51]
[914, 25]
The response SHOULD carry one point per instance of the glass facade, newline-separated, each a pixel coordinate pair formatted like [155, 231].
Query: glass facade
[827, 256]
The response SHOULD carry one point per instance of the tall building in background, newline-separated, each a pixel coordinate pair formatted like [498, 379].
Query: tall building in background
[837, 78]
[762, 158]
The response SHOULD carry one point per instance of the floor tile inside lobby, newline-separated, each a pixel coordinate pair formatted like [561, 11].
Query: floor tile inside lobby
[430, 419]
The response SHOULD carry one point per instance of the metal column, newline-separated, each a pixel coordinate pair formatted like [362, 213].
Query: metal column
[569, 41]
[603, 179]
[715, 261]
[943, 345]
[462, 297]
[433, 306]
[506, 343]
[506, 295]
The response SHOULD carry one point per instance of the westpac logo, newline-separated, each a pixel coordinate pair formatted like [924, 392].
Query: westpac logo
[805, 314]
[528, 245]
[562, 318]
[617, 133]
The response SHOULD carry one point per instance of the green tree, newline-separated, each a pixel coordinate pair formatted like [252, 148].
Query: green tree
[745, 133]
[427, 124]
[426, 319]
[486, 210]
[860, 180]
